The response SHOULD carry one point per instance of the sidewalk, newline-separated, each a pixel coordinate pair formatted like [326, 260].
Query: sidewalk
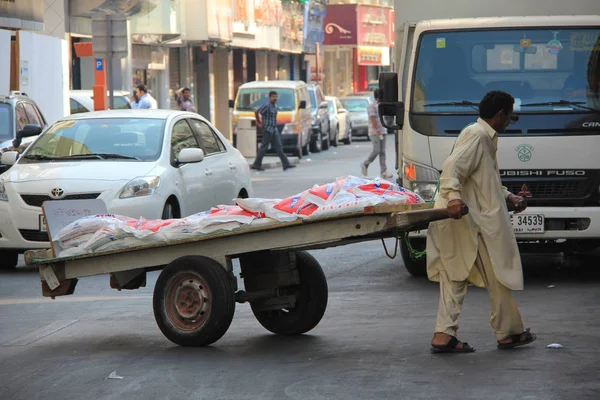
[270, 162]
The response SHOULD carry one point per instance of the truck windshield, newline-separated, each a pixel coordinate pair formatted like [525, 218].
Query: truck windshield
[550, 70]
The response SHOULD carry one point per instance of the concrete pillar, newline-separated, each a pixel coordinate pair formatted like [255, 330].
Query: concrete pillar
[262, 71]
[222, 70]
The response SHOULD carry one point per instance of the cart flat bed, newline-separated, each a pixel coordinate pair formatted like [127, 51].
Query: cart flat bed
[195, 294]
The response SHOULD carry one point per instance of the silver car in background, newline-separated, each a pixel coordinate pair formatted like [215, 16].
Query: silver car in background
[358, 118]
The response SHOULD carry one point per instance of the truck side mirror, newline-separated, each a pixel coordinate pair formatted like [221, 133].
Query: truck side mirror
[389, 106]
[231, 103]
[302, 104]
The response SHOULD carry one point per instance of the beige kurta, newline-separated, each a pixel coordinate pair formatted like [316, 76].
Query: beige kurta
[471, 174]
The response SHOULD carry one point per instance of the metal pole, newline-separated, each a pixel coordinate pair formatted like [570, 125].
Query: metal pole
[109, 62]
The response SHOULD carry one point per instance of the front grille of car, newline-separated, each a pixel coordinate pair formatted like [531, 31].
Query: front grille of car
[567, 189]
[34, 235]
[36, 200]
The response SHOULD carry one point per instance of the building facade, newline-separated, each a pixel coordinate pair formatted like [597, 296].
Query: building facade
[357, 45]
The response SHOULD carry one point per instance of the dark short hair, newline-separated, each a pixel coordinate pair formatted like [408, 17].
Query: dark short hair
[142, 88]
[185, 89]
[378, 94]
[272, 93]
[495, 101]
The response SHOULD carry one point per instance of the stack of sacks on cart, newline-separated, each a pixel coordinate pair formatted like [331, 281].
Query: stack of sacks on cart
[347, 195]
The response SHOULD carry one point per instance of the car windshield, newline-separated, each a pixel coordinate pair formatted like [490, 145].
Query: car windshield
[5, 122]
[313, 98]
[355, 105]
[542, 67]
[331, 107]
[100, 139]
[251, 99]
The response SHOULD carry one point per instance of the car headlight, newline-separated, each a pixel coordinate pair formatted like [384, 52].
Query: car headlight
[142, 186]
[290, 128]
[422, 179]
[3, 195]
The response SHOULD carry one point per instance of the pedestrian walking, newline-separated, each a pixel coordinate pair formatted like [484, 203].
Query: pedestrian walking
[266, 118]
[479, 248]
[143, 99]
[184, 101]
[377, 135]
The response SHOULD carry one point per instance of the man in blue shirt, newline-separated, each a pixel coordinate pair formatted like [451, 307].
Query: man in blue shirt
[266, 118]
[144, 99]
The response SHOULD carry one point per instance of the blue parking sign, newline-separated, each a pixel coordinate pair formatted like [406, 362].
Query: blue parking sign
[98, 64]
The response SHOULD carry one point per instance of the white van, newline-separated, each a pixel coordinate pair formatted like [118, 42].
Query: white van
[293, 114]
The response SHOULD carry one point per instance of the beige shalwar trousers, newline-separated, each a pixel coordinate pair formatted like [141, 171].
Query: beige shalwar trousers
[505, 317]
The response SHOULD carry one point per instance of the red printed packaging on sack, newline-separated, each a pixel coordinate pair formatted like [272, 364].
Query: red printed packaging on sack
[287, 210]
[320, 195]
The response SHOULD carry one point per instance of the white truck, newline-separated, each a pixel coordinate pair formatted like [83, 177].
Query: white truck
[549, 63]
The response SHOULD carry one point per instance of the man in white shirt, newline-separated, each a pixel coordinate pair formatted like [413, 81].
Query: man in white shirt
[144, 99]
[479, 248]
[377, 134]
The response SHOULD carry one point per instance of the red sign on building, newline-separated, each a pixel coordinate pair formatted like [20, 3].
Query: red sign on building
[340, 25]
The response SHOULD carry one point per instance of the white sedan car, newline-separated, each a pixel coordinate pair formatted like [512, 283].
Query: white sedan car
[141, 163]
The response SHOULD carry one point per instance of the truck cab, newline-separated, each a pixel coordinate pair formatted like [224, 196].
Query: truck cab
[551, 66]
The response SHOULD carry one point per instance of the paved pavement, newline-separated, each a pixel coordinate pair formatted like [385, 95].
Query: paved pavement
[371, 344]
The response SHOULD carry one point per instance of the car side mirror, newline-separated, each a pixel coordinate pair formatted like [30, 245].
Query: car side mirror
[231, 103]
[302, 105]
[342, 111]
[324, 105]
[28, 130]
[9, 158]
[190, 156]
[389, 106]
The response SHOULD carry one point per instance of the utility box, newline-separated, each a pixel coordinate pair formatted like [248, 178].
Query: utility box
[246, 141]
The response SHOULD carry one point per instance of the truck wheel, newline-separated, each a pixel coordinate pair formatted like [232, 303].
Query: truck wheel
[311, 301]
[193, 301]
[414, 267]
[8, 259]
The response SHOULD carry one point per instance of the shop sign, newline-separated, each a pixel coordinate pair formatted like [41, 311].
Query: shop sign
[340, 25]
[379, 56]
[375, 26]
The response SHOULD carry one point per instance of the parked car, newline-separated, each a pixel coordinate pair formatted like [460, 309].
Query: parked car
[141, 163]
[20, 122]
[358, 118]
[321, 132]
[338, 117]
[83, 100]
[374, 84]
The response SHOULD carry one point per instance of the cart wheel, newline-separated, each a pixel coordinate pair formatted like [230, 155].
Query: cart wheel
[193, 301]
[311, 301]
[414, 267]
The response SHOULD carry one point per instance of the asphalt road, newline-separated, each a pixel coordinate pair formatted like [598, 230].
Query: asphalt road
[373, 342]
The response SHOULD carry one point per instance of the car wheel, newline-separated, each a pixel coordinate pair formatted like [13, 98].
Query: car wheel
[8, 259]
[336, 132]
[326, 142]
[171, 209]
[316, 143]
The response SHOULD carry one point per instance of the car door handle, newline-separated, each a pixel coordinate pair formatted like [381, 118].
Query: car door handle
[208, 172]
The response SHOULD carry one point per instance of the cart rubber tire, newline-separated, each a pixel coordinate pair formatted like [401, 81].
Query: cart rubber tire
[311, 302]
[8, 259]
[414, 267]
[189, 289]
